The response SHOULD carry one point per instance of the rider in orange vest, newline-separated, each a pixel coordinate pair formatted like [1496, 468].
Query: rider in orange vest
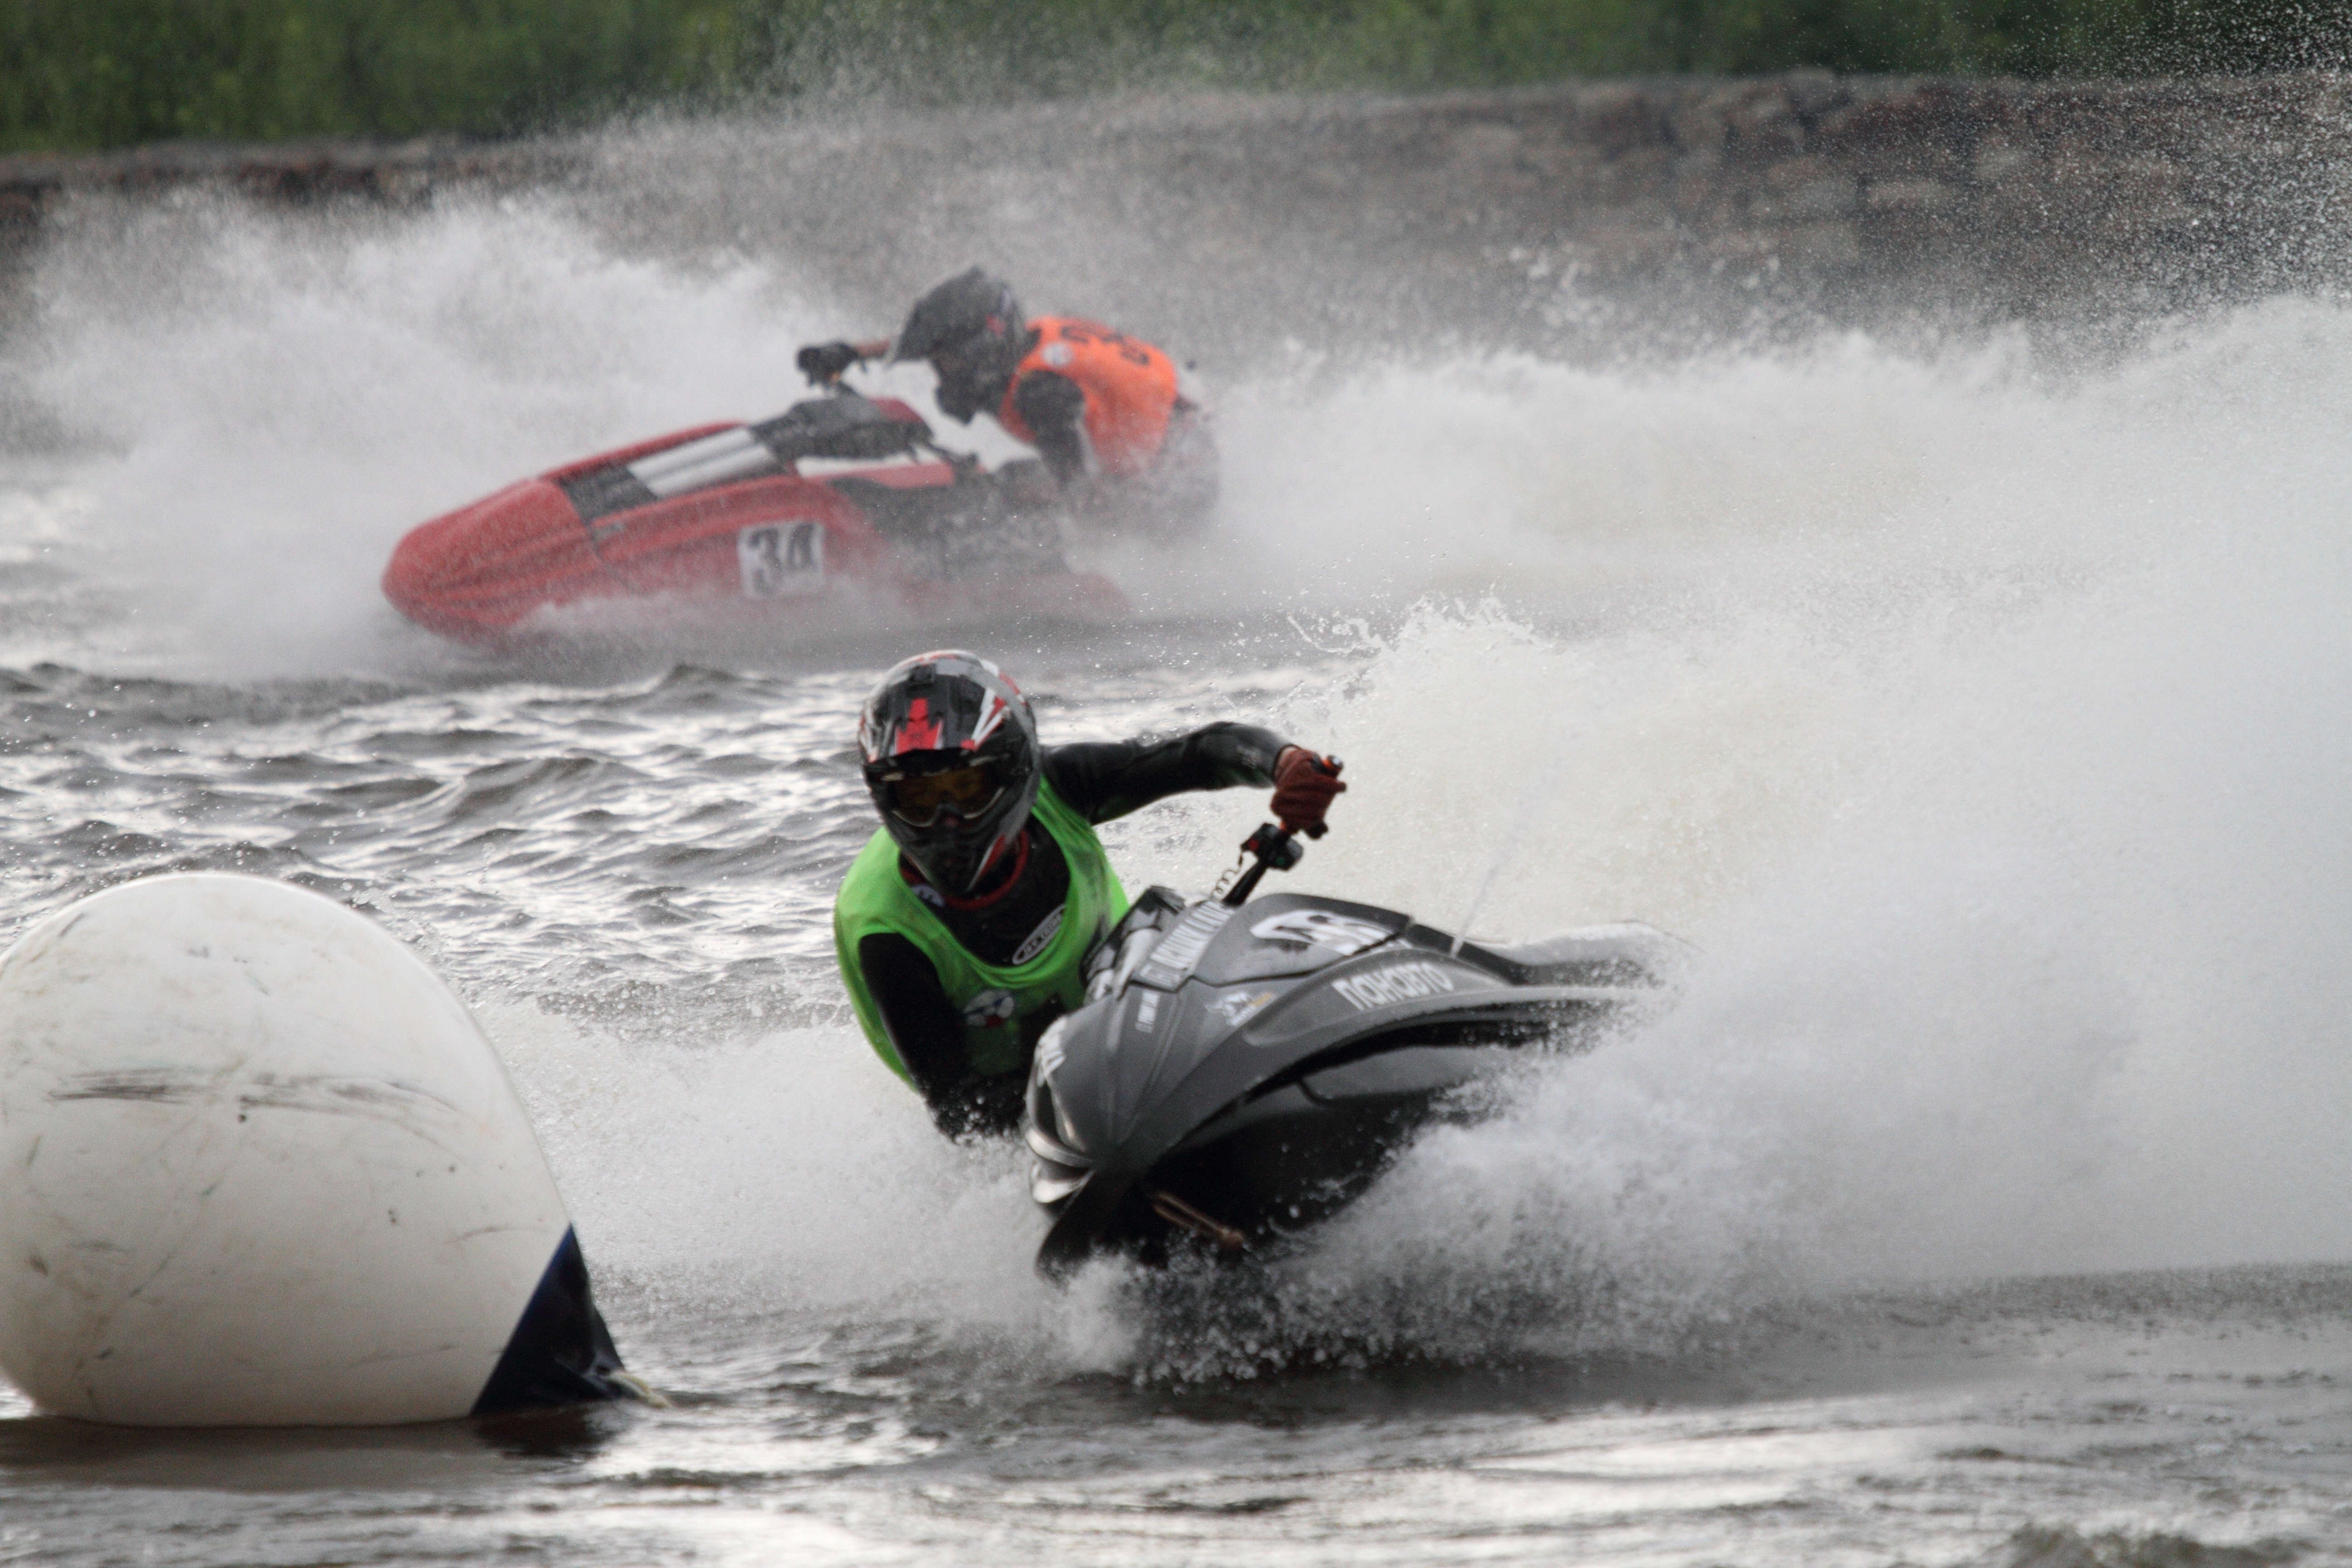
[1117, 433]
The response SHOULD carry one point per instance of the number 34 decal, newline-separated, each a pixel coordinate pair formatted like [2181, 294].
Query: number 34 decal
[780, 559]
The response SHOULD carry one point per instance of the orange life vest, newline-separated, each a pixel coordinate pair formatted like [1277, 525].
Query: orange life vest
[1130, 389]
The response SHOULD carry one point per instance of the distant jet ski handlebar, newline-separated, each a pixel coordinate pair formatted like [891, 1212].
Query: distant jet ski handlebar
[825, 363]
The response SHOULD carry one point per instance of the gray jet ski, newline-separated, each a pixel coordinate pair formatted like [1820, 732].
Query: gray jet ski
[1240, 1071]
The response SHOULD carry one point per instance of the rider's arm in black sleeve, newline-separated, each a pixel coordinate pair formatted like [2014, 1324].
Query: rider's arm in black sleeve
[1055, 409]
[928, 1034]
[1101, 780]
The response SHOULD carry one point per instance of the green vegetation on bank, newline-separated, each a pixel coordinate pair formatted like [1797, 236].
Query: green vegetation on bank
[106, 73]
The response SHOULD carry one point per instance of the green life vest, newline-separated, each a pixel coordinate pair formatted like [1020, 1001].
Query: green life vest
[993, 998]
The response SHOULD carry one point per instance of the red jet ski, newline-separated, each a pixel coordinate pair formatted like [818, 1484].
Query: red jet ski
[840, 500]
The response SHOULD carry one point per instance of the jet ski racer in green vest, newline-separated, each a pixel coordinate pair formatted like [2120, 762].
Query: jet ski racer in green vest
[964, 925]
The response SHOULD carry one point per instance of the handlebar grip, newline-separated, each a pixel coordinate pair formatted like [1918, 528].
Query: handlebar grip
[1328, 765]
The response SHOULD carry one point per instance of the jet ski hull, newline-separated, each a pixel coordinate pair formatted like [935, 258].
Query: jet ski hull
[1278, 1165]
[708, 525]
[1261, 1084]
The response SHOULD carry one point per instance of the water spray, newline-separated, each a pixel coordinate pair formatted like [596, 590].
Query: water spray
[1519, 825]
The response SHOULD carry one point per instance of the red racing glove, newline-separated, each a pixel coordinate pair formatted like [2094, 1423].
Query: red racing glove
[1303, 784]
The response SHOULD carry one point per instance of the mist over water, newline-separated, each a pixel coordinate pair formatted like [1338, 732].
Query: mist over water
[1976, 710]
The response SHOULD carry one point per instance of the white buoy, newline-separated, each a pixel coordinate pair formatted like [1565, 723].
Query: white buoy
[260, 1166]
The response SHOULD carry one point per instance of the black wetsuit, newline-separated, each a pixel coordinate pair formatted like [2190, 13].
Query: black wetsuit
[1055, 409]
[1099, 781]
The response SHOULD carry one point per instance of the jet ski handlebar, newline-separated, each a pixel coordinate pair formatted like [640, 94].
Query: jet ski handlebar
[825, 363]
[1277, 848]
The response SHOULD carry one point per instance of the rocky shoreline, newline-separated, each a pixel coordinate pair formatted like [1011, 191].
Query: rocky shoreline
[2018, 198]
[31, 183]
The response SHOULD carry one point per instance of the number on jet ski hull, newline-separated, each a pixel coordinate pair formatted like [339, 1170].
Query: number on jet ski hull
[780, 559]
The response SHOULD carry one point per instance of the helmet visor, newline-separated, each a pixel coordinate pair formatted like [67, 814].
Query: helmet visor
[919, 799]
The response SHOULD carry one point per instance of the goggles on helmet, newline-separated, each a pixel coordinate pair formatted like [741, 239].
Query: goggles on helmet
[917, 799]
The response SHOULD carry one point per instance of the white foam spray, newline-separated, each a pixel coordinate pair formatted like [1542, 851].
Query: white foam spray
[2000, 786]
[276, 401]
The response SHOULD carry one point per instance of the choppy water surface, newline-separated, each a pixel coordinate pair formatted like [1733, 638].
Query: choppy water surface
[1978, 711]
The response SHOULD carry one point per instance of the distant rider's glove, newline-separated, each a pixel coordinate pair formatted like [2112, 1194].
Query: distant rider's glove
[1304, 785]
[824, 363]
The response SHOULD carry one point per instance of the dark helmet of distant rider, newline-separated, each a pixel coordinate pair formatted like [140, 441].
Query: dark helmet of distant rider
[971, 330]
[950, 756]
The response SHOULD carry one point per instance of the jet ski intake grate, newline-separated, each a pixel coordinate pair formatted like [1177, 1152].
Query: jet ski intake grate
[1184, 1217]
